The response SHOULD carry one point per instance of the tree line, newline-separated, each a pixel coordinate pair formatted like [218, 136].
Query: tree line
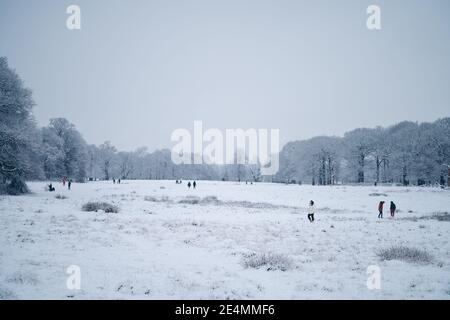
[406, 153]
[58, 150]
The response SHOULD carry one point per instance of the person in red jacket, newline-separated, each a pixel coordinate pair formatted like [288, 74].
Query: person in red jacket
[380, 209]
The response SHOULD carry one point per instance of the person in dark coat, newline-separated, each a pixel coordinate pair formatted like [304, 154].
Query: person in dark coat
[189, 184]
[393, 207]
[69, 184]
[380, 209]
[194, 184]
[311, 210]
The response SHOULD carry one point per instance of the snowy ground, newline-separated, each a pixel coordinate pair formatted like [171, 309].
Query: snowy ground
[159, 248]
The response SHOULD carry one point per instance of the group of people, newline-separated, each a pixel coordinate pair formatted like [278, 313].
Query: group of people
[69, 182]
[311, 207]
[392, 209]
[64, 180]
[311, 210]
[189, 184]
[194, 184]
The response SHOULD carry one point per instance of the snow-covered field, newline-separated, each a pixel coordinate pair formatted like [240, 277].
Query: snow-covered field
[212, 248]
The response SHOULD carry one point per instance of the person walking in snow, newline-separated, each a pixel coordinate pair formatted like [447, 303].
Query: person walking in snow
[194, 184]
[69, 184]
[380, 209]
[189, 184]
[393, 207]
[311, 209]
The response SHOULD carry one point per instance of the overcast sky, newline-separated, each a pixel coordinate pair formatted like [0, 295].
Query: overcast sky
[137, 70]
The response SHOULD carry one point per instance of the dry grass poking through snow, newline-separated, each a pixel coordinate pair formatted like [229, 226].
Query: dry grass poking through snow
[441, 216]
[213, 200]
[95, 206]
[270, 261]
[235, 241]
[407, 254]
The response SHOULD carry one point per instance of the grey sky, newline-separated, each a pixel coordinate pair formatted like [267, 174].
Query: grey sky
[140, 69]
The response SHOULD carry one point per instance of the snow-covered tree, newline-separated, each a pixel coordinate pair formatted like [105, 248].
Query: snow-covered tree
[18, 133]
[125, 164]
[106, 153]
[360, 146]
[67, 150]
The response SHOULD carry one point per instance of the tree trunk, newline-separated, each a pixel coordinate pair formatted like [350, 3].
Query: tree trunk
[448, 177]
[322, 172]
[361, 168]
[404, 175]
[378, 162]
[384, 171]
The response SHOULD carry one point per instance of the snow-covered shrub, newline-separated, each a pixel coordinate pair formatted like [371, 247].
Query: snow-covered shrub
[6, 294]
[197, 200]
[190, 200]
[270, 261]
[60, 197]
[210, 200]
[154, 199]
[375, 194]
[17, 187]
[23, 278]
[95, 206]
[404, 253]
[442, 216]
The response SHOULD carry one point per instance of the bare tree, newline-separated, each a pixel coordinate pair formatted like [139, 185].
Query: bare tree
[106, 155]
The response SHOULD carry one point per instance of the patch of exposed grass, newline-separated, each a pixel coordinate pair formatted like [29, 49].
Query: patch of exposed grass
[269, 261]
[407, 254]
[441, 216]
[95, 206]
